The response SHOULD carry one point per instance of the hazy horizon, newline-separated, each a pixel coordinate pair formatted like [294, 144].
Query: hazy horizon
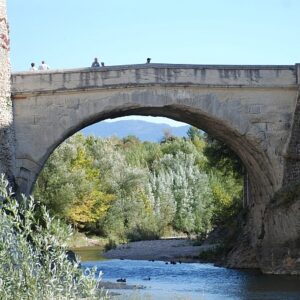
[157, 120]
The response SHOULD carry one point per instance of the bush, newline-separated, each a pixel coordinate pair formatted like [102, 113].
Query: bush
[33, 259]
[112, 244]
[140, 233]
[212, 255]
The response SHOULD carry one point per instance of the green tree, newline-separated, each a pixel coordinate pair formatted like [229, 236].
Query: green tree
[221, 157]
[70, 184]
[185, 184]
[191, 195]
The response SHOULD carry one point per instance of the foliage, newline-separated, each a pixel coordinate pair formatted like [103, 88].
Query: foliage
[226, 180]
[227, 191]
[127, 189]
[111, 244]
[70, 185]
[220, 156]
[33, 259]
[182, 192]
[212, 255]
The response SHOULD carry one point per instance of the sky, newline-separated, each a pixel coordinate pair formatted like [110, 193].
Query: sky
[70, 33]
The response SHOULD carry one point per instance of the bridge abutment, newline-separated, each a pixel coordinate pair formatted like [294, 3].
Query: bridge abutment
[280, 246]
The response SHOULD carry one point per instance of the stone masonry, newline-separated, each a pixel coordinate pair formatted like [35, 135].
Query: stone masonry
[6, 114]
[253, 109]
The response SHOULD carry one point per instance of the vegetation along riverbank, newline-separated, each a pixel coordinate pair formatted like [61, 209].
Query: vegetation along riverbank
[34, 261]
[125, 190]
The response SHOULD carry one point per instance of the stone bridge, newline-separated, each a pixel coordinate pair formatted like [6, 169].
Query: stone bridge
[253, 109]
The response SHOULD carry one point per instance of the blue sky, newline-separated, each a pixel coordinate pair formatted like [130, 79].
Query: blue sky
[70, 33]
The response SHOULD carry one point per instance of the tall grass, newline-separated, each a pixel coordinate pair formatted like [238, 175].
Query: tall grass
[33, 260]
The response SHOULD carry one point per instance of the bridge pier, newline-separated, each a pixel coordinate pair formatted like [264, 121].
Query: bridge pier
[280, 248]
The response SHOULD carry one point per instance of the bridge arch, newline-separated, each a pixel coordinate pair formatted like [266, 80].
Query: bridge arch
[212, 115]
[246, 107]
[256, 163]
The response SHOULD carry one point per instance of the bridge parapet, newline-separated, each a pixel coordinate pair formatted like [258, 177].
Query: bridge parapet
[152, 74]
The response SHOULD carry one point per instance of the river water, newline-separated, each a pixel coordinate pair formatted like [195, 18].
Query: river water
[191, 280]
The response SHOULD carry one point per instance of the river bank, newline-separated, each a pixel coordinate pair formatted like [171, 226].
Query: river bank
[81, 240]
[173, 249]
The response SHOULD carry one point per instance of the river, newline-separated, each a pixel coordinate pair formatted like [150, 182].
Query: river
[191, 280]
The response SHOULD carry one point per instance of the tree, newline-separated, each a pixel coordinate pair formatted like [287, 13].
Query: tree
[70, 184]
[221, 157]
[189, 190]
[226, 180]
[102, 185]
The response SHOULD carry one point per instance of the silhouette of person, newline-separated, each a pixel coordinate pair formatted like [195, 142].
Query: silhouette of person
[43, 66]
[33, 67]
[95, 63]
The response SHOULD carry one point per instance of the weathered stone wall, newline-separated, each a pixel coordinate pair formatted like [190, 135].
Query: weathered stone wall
[292, 160]
[280, 248]
[280, 243]
[6, 114]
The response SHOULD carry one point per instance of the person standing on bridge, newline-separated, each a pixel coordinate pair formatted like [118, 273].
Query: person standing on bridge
[33, 67]
[95, 63]
[43, 66]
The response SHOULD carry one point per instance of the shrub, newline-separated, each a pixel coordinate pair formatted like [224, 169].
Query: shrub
[111, 244]
[33, 259]
[213, 254]
[140, 233]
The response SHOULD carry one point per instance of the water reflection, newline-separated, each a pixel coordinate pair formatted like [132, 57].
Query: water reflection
[90, 253]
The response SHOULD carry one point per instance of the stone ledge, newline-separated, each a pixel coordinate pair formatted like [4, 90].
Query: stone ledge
[155, 74]
[160, 66]
[21, 95]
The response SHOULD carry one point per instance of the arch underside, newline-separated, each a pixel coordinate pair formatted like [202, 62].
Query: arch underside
[235, 116]
[256, 162]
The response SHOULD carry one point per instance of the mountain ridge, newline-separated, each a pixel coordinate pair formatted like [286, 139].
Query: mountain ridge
[144, 130]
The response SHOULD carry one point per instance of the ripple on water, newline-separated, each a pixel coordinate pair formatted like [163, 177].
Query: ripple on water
[198, 281]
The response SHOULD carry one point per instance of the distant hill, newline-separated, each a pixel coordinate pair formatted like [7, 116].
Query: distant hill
[145, 131]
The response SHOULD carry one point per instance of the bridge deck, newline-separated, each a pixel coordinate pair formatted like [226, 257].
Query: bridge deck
[277, 76]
